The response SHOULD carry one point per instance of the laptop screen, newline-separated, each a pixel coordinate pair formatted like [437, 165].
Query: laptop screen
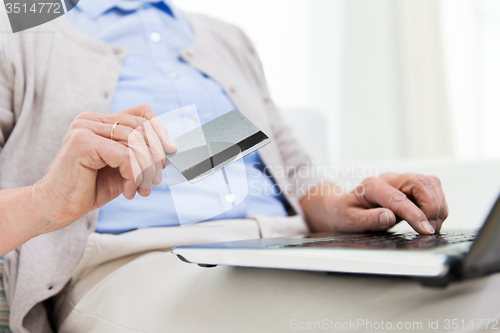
[484, 256]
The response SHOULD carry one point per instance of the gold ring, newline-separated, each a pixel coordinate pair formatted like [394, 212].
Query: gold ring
[113, 130]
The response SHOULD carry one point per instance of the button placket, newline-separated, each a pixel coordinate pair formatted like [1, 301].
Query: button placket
[156, 41]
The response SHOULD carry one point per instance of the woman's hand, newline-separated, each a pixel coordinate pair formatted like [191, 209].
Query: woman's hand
[92, 169]
[378, 203]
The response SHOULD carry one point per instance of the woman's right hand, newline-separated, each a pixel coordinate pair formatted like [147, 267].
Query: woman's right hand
[90, 169]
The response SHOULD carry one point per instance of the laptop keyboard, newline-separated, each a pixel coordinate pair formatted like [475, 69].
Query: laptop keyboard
[409, 241]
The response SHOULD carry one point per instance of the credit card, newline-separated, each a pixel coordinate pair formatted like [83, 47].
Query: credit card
[216, 144]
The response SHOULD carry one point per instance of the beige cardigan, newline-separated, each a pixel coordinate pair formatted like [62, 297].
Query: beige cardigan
[52, 73]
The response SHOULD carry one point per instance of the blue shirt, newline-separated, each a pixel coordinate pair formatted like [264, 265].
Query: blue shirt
[153, 72]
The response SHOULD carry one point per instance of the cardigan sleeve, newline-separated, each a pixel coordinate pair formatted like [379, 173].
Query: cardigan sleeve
[6, 90]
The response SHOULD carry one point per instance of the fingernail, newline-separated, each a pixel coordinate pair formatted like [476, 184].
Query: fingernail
[130, 196]
[427, 226]
[433, 223]
[383, 219]
[173, 143]
[157, 179]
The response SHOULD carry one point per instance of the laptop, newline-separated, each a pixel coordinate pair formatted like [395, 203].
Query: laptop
[434, 260]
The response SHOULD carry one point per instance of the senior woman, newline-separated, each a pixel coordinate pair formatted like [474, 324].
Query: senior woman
[70, 144]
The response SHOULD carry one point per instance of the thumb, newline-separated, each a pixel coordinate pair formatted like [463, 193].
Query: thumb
[374, 219]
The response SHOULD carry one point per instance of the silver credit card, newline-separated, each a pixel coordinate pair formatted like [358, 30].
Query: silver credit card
[216, 144]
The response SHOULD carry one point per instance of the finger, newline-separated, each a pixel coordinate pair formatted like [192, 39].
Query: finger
[427, 193]
[120, 132]
[118, 156]
[123, 134]
[421, 189]
[144, 111]
[168, 143]
[374, 219]
[377, 191]
[123, 119]
[134, 117]
[443, 213]
[156, 150]
[141, 151]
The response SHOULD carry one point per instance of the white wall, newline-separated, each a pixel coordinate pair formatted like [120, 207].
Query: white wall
[471, 34]
[369, 87]
[394, 102]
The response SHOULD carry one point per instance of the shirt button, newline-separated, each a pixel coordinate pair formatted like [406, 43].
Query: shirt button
[174, 75]
[189, 53]
[117, 51]
[155, 37]
[230, 198]
[232, 90]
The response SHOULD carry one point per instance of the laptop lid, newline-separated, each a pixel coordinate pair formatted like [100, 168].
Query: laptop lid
[484, 255]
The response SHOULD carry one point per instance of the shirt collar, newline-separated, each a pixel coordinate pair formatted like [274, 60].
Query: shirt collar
[95, 8]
